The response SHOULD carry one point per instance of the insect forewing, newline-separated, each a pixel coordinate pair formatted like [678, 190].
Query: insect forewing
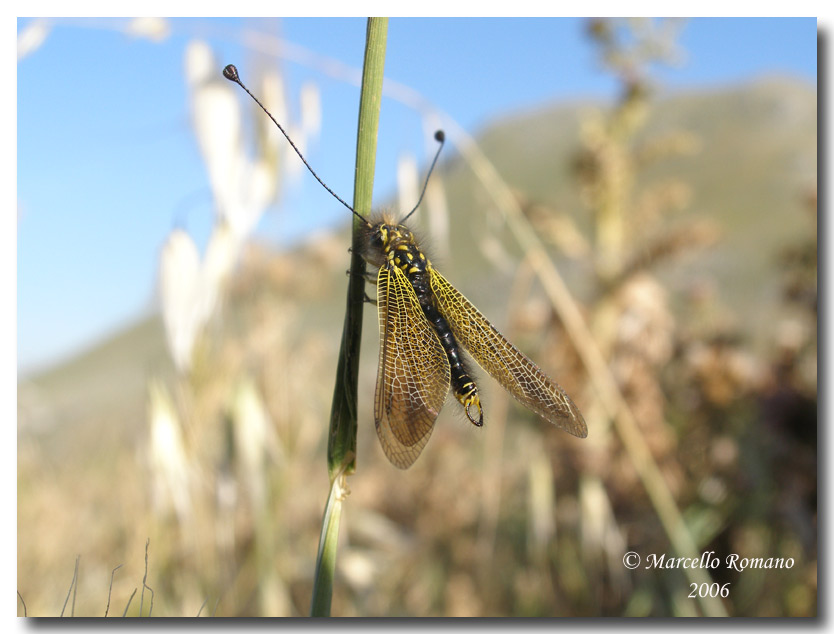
[504, 362]
[413, 376]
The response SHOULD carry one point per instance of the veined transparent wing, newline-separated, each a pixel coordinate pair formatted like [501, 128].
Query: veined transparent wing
[504, 362]
[413, 375]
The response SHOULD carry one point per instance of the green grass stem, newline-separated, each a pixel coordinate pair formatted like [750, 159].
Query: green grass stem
[341, 448]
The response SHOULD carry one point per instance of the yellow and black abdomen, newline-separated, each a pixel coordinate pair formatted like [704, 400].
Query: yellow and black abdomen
[415, 265]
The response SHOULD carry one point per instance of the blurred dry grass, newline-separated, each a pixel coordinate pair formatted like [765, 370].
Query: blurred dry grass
[226, 474]
[461, 532]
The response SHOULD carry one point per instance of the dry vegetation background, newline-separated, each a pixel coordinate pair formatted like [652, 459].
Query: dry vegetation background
[694, 363]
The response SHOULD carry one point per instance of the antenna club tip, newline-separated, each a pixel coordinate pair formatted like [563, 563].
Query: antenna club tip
[230, 73]
[439, 136]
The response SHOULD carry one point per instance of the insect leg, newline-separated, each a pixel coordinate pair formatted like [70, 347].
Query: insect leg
[368, 277]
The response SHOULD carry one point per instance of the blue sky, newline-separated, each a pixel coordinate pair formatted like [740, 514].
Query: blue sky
[108, 164]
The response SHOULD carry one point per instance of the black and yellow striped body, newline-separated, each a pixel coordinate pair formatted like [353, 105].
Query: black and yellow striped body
[425, 324]
[400, 250]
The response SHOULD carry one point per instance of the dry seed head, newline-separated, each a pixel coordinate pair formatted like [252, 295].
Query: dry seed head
[169, 466]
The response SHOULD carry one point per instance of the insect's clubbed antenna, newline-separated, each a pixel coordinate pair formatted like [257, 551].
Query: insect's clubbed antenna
[230, 73]
[440, 137]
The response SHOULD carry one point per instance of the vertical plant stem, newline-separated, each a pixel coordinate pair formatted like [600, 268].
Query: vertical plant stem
[341, 447]
[328, 543]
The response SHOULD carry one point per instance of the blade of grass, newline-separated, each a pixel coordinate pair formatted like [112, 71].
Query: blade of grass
[328, 542]
[341, 448]
[110, 591]
[128, 602]
[73, 585]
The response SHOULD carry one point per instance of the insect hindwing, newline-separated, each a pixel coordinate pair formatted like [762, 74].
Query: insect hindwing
[504, 362]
